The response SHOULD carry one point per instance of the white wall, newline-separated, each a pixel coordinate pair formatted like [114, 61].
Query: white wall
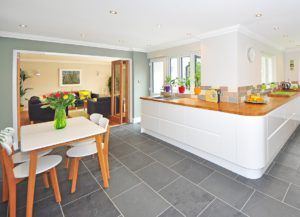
[292, 75]
[219, 55]
[249, 73]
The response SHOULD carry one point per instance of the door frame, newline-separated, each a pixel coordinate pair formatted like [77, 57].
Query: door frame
[15, 84]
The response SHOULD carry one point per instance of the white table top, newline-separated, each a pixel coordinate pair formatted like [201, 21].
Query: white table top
[43, 135]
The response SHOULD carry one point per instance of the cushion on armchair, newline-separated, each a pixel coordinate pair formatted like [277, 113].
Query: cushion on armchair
[84, 94]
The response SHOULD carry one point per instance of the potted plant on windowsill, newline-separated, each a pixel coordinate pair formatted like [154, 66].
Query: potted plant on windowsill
[169, 82]
[197, 89]
[181, 82]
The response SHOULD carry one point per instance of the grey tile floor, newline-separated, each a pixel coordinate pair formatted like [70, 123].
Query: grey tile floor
[150, 178]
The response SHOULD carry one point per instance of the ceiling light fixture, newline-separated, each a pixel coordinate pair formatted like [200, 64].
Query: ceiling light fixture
[158, 26]
[259, 14]
[23, 26]
[285, 36]
[113, 12]
[276, 28]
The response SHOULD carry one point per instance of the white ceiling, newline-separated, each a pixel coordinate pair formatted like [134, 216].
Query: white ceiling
[135, 25]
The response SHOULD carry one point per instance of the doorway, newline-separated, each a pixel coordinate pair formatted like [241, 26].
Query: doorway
[125, 94]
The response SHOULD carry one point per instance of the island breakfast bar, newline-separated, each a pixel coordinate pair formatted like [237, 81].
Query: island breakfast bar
[243, 138]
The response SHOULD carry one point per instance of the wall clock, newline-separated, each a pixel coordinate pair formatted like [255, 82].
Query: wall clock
[251, 54]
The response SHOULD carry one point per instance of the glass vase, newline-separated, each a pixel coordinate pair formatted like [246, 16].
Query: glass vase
[60, 118]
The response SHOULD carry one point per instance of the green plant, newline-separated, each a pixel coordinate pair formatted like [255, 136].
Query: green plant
[109, 84]
[188, 83]
[180, 82]
[169, 80]
[198, 75]
[23, 77]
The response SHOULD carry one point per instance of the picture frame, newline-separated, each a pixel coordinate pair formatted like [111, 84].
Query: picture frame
[69, 77]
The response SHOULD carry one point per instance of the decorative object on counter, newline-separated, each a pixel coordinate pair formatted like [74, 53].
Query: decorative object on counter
[213, 95]
[181, 84]
[256, 99]
[294, 86]
[59, 101]
[188, 83]
[285, 85]
[263, 86]
[169, 82]
[197, 89]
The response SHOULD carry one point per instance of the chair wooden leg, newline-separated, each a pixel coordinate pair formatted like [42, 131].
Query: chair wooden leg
[75, 174]
[54, 181]
[102, 161]
[4, 186]
[12, 200]
[107, 167]
[71, 169]
[45, 180]
[67, 160]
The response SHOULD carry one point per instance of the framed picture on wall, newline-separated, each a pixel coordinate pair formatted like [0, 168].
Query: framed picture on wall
[69, 77]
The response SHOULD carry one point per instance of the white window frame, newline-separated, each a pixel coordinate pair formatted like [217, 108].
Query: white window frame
[151, 72]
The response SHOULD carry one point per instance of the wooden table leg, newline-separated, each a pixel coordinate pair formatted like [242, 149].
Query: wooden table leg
[31, 183]
[102, 160]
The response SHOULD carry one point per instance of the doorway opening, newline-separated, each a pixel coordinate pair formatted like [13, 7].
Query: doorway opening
[105, 81]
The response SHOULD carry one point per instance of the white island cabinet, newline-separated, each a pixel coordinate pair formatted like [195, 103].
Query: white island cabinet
[245, 145]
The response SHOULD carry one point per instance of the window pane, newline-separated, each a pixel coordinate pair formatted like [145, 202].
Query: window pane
[173, 68]
[157, 76]
[266, 69]
[185, 67]
[197, 71]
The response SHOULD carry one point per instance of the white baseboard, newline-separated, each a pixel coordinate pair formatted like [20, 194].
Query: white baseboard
[136, 120]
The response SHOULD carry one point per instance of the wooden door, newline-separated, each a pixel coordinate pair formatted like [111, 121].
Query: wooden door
[18, 97]
[120, 91]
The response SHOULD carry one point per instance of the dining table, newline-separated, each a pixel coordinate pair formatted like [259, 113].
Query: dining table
[43, 136]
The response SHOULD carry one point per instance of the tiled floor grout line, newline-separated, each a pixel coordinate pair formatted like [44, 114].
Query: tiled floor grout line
[151, 187]
[287, 190]
[103, 189]
[174, 164]
[213, 172]
[189, 182]
[248, 199]
[162, 212]
[123, 192]
[62, 211]
[208, 205]
[81, 197]
[162, 188]
[145, 167]
[286, 181]
[36, 201]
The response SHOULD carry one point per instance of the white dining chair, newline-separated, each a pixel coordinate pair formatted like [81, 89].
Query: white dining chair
[17, 158]
[79, 151]
[16, 174]
[95, 117]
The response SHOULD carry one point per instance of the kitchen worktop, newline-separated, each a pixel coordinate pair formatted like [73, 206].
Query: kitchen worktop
[233, 108]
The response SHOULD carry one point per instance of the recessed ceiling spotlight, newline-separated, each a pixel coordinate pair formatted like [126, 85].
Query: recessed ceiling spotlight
[189, 34]
[158, 26]
[291, 41]
[258, 14]
[276, 28]
[113, 12]
[23, 26]
[120, 41]
[285, 36]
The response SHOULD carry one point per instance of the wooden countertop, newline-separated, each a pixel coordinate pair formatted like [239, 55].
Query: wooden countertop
[233, 108]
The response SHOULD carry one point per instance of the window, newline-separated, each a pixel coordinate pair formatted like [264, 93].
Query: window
[197, 70]
[174, 68]
[266, 69]
[157, 76]
[185, 67]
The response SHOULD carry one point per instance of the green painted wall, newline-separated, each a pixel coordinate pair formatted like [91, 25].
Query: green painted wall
[7, 45]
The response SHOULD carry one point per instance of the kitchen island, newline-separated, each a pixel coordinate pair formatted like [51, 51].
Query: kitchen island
[243, 138]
